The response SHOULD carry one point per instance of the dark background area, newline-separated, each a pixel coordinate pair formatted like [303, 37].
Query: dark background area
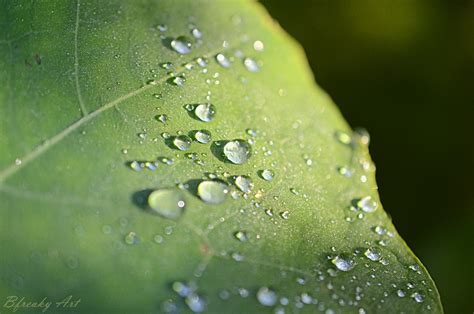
[404, 70]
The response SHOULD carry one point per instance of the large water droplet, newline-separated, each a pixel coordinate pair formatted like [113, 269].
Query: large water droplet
[237, 151]
[267, 296]
[196, 303]
[343, 264]
[168, 203]
[244, 183]
[181, 45]
[205, 112]
[203, 136]
[182, 142]
[212, 192]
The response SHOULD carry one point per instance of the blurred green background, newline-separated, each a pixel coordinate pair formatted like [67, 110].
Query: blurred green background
[404, 70]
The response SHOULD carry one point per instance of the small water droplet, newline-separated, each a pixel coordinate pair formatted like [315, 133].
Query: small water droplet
[251, 132]
[267, 296]
[205, 112]
[223, 60]
[203, 136]
[367, 204]
[344, 171]
[251, 65]
[241, 236]
[237, 151]
[343, 264]
[202, 62]
[401, 293]
[182, 142]
[267, 174]
[236, 256]
[168, 203]
[418, 297]
[372, 254]
[285, 214]
[196, 33]
[166, 65]
[162, 118]
[162, 27]
[196, 303]
[181, 45]
[244, 183]
[136, 165]
[212, 192]
[178, 80]
[258, 46]
[343, 137]
[132, 238]
[158, 239]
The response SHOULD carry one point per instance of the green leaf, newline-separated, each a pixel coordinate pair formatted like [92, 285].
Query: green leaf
[86, 98]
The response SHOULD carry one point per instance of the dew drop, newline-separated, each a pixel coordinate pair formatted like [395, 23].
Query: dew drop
[258, 46]
[223, 60]
[132, 238]
[267, 296]
[181, 45]
[251, 65]
[196, 303]
[237, 151]
[367, 204]
[212, 192]
[372, 254]
[162, 118]
[285, 215]
[343, 137]
[178, 80]
[267, 174]
[401, 293]
[418, 297]
[203, 136]
[241, 236]
[196, 33]
[205, 112]
[182, 142]
[168, 203]
[162, 27]
[342, 263]
[244, 183]
[202, 62]
[166, 65]
[136, 165]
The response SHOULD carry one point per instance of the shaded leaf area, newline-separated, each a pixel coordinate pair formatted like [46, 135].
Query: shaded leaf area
[110, 115]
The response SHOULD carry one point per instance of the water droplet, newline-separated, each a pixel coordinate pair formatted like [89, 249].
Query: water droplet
[244, 183]
[367, 204]
[306, 298]
[202, 62]
[342, 263]
[267, 296]
[136, 165]
[363, 136]
[401, 293]
[205, 112]
[132, 238]
[251, 65]
[241, 236]
[236, 256]
[158, 239]
[203, 136]
[258, 46]
[106, 229]
[223, 60]
[418, 297]
[196, 303]
[344, 171]
[372, 254]
[162, 118]
[212, 192]
[166, 65]
[267, 174]
[18, 161]
[162, 27]
[182, 142]
[285, 215]
[251, 132]
[178, 80]
[343, 137]
[168, 203]
[196, 33]
[181, 45]
[182, 289]
[237, 151]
